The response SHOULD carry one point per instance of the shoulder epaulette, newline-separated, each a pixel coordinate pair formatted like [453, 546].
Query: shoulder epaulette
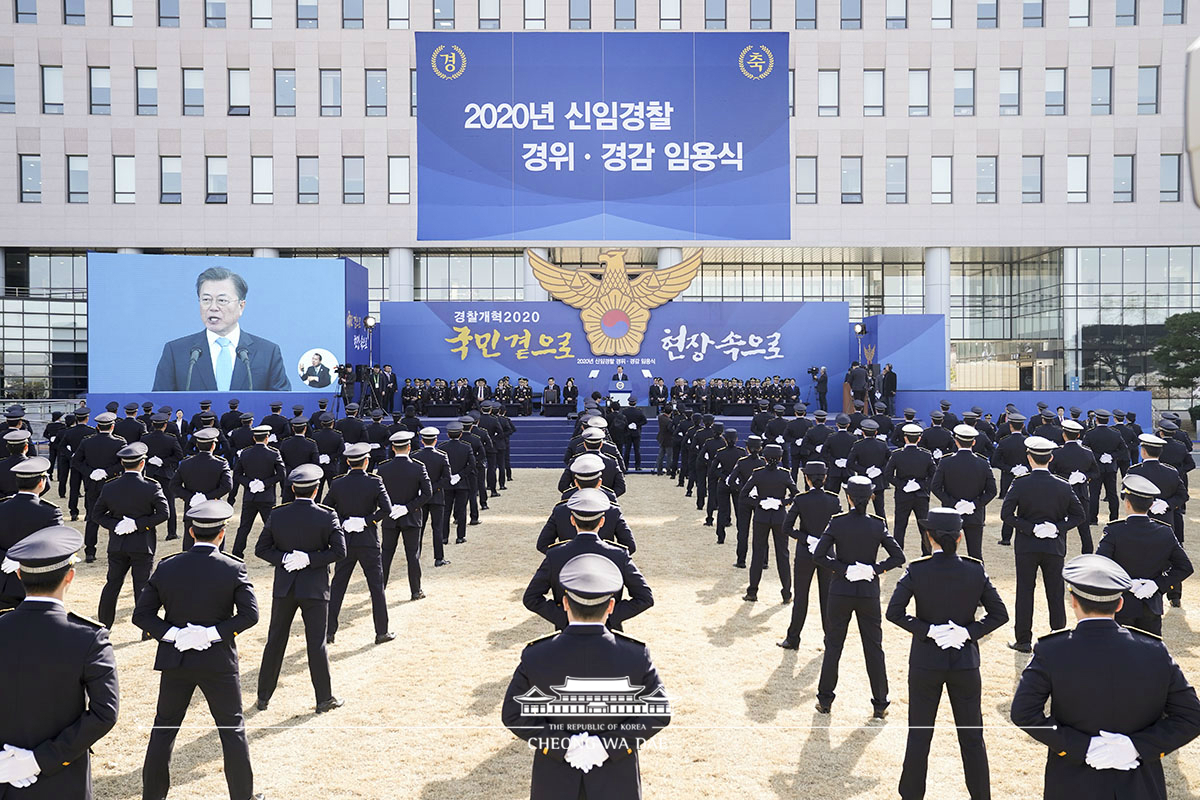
[327, 508]
[541, 638]
[1160, 522]
[615, 543]
[151, 480]
[1058, 632]
[44, 502]
[556, 544]
[559, 503]
[972, 558]
[1142, 632]
[86, 620]
[234, 558]
[842, 514]
[4, 611]
[756, 469]
[876, 516]
[165, 558]
[919, 560]
[831, 494]
[627, 636]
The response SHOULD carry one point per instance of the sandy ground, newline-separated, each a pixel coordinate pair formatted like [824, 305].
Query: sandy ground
[422, 714]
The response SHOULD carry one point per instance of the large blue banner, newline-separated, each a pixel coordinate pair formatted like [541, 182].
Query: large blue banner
[602, 136]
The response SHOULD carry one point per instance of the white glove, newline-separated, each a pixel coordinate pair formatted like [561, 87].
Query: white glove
[399, 511]
[819, 448]
[813, 541]
[354, 525]
[840, 463]
[799, 442]
[1045, 530]
[1144, 588]
[964, 507]
[950, 636]
[272, 438]
[912, 486]
[297, 559]
[779, 440]
[323, 459]
[126, 525]
[256, 486]
[770, 503]
[192, 637]
[156, 461]
[874, 472]
[97, 474]
[1112, 751]
[1159, 506]
[454, 479]
[1076, 478]
[633, 426]
[9, 566]
[18, 767]
[1106, 458]
[196, 500]
[585, 752]
[753, 493]
[937, 453]
[860, 572]
[1019, 470]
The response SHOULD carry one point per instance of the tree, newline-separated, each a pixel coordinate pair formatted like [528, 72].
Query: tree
[1122, 352]
[1177, 354]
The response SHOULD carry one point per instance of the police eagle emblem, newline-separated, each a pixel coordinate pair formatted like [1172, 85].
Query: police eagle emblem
[614, 309]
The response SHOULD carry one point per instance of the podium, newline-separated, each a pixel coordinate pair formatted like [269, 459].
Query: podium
[620, 391]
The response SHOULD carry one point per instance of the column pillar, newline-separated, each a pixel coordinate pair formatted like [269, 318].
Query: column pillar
[533, 290]
[129, 251]
[400, 274]
[266, 252]
[669, 256]
[937, 292]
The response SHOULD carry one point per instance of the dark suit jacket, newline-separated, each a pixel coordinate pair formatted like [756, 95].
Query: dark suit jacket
[312, 528]
[266, 366]
[551, 395]
[320, 372]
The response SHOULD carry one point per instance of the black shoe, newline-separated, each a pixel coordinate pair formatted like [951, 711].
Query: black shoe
[418, 596]
[880, 713]
[789, 644]
[330, 704]
[1020, 647]
[443, 562]
[720, 540]
[171, 536]
[472, 522]
[750, 597]
[74, 518]
[261, 704]
[460, 540]
[239, 556]
[1176, 602]
[384, 637]
[483, 508]
[329, 638]
[493, 494]
[89, 560]
[708, 523]
[822, 708]
[503, 488]
[787, 597]
[1004, 543]
[446, 540]
[689, 494]
[740, 564]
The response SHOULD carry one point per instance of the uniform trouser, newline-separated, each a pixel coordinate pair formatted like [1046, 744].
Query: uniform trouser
[120, 564]
[370, 558]
[436, 516]
[724, 509]
[797, 461]
[1176, 593]
[973, 536]
[412, 554]
[665, 458]
[877, 502]
[677, 462]
[633, 442]
[1051, 565]
[1085, 530]
[223, 691]
[502, 470]
[64, 474]
[75, 486]
[508, 463]
[744, 515]
[907, 503]
[700, 478]
[91, 528]
[491, 470]
[315, 613]
[758, 556]
[1109, 481]
[833, 483]
[481, 487]
[837, 621]
[458, 504]
[924, 694]
[1006, 479]
[251, 510]
[711, 496]
[472, 493]
[172, 515]
[1150, 623]
[802, 577]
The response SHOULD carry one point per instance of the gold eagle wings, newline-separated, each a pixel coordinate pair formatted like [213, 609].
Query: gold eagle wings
[614, 291]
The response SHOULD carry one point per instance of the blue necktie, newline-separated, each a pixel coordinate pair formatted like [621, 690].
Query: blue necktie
[224, 364]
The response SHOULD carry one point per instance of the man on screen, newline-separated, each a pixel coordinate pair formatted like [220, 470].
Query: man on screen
[223, 356]
[317, 374]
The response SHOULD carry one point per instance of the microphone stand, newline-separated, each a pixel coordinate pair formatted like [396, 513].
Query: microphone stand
[194, 357]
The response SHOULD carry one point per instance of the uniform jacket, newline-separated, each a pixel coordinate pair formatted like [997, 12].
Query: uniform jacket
[139, 498]
[264, 463]
[360, 494]
[407, 483]
[204, 474]
[545, 579]
[21, 515]
[558, 528]
[965, 476]
[1148, 549]
[1041, 497]
[309, 527]
[856, 538]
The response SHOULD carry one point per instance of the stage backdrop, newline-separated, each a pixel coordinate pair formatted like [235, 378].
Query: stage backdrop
[602, 136]
[540, 340]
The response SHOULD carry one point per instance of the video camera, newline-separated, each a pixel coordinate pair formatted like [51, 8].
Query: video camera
[814, 372]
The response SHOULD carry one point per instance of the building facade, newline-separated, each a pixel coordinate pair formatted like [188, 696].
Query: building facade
[1015, 165]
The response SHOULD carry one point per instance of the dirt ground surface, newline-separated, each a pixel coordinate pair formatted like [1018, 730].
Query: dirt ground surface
[422, 713]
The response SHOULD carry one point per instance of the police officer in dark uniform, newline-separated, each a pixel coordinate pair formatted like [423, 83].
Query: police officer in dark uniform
[856, 416]
[883, 420]
[240, 438]
[361, 503]
[910, 472]
[1178, 456]
[1118, 702]
[96, 461]
[301, 539]
[897, 437]
[129, 427]
[814, 440]
[350, 426]
[720, 469]
[20, 515]
[490, 423]
[72, 439]
[699, 436]
[231, 419]
[409, 489]
[16, 444]
[163, 455]
[375, 436]
[806, 522]
[1041, 507]
[1156, 562]
[948, 589]
[964, 482]
[855, 539]
[477, 479]
[706, 500]
[462, 465]
[314, 420]
[330, 446]
[793, 434]
[130, 507]
[937, 438]
[60, 695]
[945, 417]
[436, 514]
[769, 489]
[635, 420]
[1172, 490]
[868, 457]
[62, 455]
[569, 761]
[1112, 455]
[194, 424]
[195, 605]
[14, 420]
[1075, 463]
[836, 453]
[510, 430]
[277, 422]
[558, 527]
[295, 450]
[203, 476]
[612, 477]
[1047, 426]
[1010, 459]
[147, 413]
[260, 470]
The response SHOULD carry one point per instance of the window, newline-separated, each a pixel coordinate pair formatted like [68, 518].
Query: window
[260, 13]
[25, 11]
[52, 90]
[940, 179]
[897, 179]
[1056, 92]
[398, 179]
[1147, 90]
[412, 92]
[353, 179]
[77, 179]
[122, 14]
[581, 14]
[398, 14]
[170, 180]
[124, 180]
[331, 93]
[147, 91]
[1101, 90]
[535, 15]
[168, 13]
[1010, 92]
[1126, 13]
[714, 15]
[852, 179]
[964, 92]
[262, 179]
[99, 91]
[285, 92]
[443, 14]
[31, 179]
[985, 14]
[1169, 177]
[1174, 12]
[1031, 179]
[625, 15]
[1079, 13]
[918, 93]
[214, 13]
[896, 12]
[669, 15]
[1034, 14]
[307, 180]
[193, 92]
[239, 92]
[73, 12]
[827, 93]
[985, 179]
[1077, 179]
[851, 14]
[1122, 179]
[943, 14]
[8, 90]
[377, 93]
[806, 179]
[352, 14]
[306, 13]
[806, 15]
[218, 179]
[760, 14]
[873, 93]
